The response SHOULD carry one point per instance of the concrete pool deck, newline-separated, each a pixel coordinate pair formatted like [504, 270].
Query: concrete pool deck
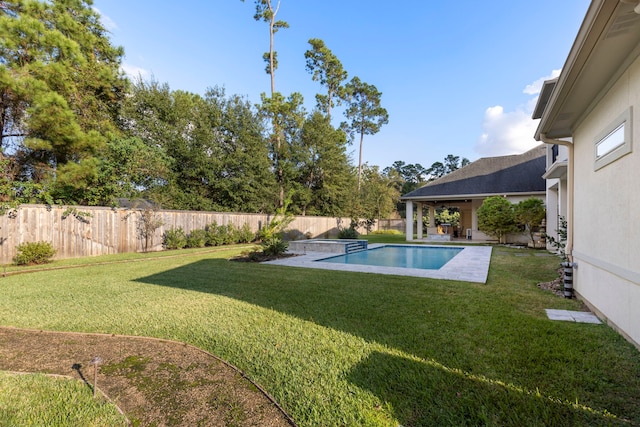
[470, 265]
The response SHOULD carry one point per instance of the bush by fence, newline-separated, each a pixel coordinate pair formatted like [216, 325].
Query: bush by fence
[91, 231]
[34, 253]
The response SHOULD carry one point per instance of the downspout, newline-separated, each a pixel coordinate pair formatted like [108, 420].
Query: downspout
[569, 265]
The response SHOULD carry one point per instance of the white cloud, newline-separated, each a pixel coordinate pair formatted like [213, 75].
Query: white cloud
[505, 133]
[108, 23]
[135, 72]
[511, 132]
[535, 87]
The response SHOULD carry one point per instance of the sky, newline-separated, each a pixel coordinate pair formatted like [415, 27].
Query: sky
[457, 77]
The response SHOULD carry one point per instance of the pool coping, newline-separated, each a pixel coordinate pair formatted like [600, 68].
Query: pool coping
[470, 265]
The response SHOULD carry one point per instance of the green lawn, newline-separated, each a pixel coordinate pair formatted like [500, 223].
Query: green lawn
[39, 400]
[355, 349]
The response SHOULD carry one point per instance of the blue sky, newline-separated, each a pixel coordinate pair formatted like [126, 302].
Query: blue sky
[457, 77]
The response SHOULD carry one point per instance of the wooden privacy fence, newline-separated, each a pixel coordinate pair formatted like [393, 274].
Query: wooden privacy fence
[88, 231]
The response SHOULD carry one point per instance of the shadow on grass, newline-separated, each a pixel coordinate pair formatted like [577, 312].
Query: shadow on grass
[390, 310]
[463, 326]
[430, 394]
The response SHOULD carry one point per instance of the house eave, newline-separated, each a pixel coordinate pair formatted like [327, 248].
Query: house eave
[459, 197]
[556, 170]
[606, 44]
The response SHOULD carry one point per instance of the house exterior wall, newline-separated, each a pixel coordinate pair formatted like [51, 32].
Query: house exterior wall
[606, 225]
[553, 209]
[557, 194]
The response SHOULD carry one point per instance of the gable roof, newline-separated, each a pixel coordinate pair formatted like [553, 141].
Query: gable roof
[521, 173]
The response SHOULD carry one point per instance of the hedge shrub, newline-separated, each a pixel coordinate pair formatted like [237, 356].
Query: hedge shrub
[174, 238]
[197, 239]
[34, 253]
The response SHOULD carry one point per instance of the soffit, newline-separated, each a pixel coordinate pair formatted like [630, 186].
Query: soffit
[557, 170]
[606, 44]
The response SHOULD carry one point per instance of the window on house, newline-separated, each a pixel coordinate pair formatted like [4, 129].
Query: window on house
[614, 141]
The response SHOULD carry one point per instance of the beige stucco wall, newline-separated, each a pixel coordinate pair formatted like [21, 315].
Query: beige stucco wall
[606, 219]
[557, 194]
[556, 205]
[553, 208]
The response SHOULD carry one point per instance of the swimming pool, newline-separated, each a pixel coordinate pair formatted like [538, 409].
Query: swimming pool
[401, 256]
[470, 265]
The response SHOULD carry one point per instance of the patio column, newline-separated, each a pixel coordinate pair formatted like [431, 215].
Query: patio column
[409, 221]
[475, 204]
[419, 220]
[432, 216]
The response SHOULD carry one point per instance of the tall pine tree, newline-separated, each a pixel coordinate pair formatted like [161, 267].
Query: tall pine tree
[60, 92]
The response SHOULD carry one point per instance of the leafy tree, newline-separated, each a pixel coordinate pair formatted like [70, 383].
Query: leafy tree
[194, 152]
[272, 235]
[178, 122]
[15, 192]
[559, 243]
[148, 222]
[129, 168]
[437, 170]
[60, 92]
[327, 69]
[530, 213]
[447, 216]
[325, 176]
[451, 163]
[280, 112]
[245, 182]
[406, 178]
[287, 116]
[410, 176]
[211, 149]
[378, 197]
[364, 113]
[496, 217]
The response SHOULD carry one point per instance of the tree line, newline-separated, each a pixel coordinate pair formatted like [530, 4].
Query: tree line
[75, 130]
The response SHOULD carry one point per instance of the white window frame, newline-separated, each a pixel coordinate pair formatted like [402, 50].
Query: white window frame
[614, 141]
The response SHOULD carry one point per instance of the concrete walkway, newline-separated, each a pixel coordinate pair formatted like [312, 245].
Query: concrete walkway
[572, 316]
[470, 265]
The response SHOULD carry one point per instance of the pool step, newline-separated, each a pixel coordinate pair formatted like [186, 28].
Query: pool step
[358, 245]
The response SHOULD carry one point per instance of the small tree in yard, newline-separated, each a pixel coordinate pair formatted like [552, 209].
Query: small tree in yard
[496, 217]
[530, 214]
[150, 220]
[559, 243]
[270, 236]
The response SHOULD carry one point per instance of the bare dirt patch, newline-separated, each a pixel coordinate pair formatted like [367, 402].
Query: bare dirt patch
[154, 382]
[556, 286]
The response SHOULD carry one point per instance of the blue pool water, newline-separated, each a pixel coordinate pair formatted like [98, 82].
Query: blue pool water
[424, 257]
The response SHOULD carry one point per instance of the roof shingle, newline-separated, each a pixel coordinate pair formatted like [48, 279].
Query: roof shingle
[521, 173]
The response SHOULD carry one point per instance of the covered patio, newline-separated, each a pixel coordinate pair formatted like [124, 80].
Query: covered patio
[443, 232]
[516, 177]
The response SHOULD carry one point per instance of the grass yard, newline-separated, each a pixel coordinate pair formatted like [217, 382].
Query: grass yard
[339, 348]
[39, 400]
